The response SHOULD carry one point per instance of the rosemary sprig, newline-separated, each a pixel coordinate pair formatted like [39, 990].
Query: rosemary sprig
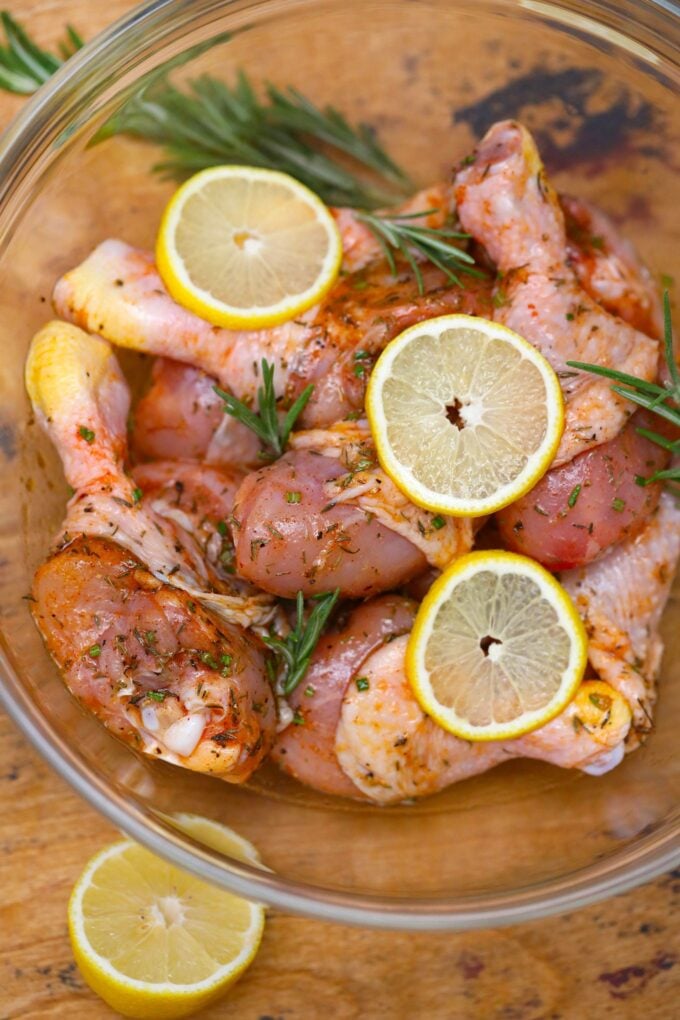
[24, 66]
[266, 423]
[398, 234]
[295, 650]
[212, 123]
[663, 401]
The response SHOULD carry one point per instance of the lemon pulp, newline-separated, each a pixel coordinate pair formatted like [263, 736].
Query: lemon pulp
[153, 940]
[497, 648]
[466, 415]
[245, 247]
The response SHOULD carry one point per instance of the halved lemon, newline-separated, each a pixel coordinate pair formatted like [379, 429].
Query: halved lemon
[247, 248]
[497, 648]
[152, 940]
[466, 415]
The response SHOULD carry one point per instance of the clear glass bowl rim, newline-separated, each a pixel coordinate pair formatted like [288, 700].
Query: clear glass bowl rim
[61, 99]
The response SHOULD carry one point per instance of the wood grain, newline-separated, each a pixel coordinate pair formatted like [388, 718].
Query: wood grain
[618, 959]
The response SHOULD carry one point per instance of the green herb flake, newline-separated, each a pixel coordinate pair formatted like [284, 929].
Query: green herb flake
[601, 701]
[574, 495]
[298, 718]
[438, 522]
[293, 497]
[208, 660]
[157, 695]
[618, 504]
[310, 691]
[87, 434]
[137, 495]
[569, 316]
[362, 683]
[222, 528]
[94, 651]
[597, 242]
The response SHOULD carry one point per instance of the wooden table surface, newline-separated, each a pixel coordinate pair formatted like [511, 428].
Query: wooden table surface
[617, 959]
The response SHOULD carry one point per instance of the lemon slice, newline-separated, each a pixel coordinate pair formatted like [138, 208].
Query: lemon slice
[466, 415]
[152, 940]
[247, 248]
[497, 648]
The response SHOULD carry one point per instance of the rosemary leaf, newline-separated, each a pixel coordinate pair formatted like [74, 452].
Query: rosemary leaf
[266, 423]
[295, 650]
[293, 110]
[654, 437]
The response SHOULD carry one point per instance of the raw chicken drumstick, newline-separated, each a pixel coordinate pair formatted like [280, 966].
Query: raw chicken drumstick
[117, 293]
[506, 202]
[120, 602]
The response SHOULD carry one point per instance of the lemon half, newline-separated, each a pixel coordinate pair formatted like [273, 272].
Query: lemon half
[497, 649]
[466, 415]
[154, 941]
[247, 248]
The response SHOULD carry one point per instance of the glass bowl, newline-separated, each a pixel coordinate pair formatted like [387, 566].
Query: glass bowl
[597, 82]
